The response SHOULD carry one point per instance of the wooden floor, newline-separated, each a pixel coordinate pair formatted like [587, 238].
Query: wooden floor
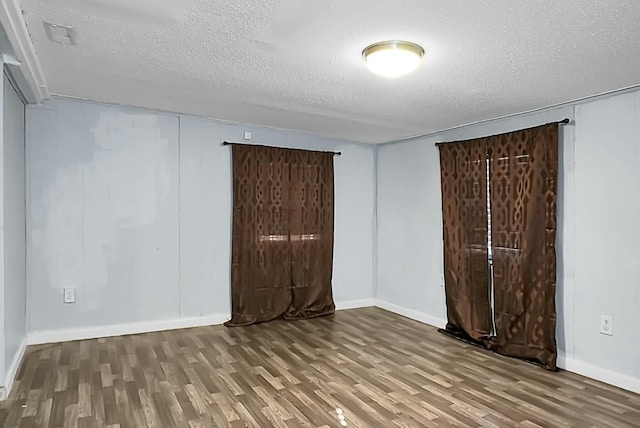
[377, 368]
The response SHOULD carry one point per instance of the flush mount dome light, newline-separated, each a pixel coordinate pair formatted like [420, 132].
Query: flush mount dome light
[393, 58]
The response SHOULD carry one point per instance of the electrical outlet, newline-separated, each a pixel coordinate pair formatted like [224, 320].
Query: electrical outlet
[606, 325]
[69, 295]
[247, 135]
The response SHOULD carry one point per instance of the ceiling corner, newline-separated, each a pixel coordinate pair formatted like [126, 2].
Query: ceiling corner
[28, 71]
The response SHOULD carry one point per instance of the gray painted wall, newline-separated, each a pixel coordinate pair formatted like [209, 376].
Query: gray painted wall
[14, 248]
[3, 363]
[607, 234]
[597, 240]
[133, 209]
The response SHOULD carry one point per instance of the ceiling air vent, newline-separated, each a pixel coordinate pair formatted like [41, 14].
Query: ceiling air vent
[63, 34]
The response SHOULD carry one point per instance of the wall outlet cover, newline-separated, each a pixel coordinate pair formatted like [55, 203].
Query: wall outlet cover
[69, 295]
[606, 325]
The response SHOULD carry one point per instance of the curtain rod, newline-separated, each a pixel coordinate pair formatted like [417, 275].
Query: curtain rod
[564, 121]
[227, 143]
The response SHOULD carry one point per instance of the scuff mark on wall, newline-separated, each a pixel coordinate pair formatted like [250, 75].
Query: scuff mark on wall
[104, 213]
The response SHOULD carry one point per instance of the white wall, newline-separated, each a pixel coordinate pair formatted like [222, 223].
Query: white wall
[599, 259]
[103, 199]
[607, 234]
[133, 209]
[410, 254]
[13, 241]
[3, 363]
[410, 230]
[205, 201]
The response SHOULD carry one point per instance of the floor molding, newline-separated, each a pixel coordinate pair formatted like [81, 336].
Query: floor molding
[12, 371]
[52, 336]
[598, 373]
[411, 313]
[395, 357]
[354, 304]
[569, 364]
[65, 335]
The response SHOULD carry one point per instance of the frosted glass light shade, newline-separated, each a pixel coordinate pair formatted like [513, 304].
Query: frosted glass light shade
[393, 58]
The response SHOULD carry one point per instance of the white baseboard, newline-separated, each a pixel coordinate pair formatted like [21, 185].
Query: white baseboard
[411, 313]
[569, 364]
[354, 304]
[51, 336]
[603, 375]
[12, 370]
[65, 335]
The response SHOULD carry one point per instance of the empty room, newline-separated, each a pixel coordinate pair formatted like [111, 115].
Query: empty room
[288, 213]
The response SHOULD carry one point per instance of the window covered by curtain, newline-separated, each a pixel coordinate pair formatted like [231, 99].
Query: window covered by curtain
[464, 212]
[518, 293]
[282, 234]
[523, 192]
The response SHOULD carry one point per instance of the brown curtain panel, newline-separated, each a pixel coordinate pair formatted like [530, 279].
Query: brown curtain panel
[463, 168]
[282, 234]
[523, 192]
[311, 234]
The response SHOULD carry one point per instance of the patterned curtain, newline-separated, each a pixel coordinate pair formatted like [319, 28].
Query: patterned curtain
[311, 234]
[282, 237]
[523, 191]
[514, 314]
[463, 168]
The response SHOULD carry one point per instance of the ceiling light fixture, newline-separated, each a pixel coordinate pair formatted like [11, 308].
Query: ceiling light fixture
[393, 58]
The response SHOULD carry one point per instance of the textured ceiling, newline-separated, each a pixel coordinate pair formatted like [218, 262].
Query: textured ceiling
[296, 64]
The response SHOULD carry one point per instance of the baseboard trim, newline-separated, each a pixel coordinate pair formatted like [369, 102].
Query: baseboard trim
[411, 313]
[355, 304]
[569, 364]
[597, 373]
[12, 371]
[65, 335]
[52, 336]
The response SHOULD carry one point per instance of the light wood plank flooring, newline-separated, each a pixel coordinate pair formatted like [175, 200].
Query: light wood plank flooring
[379, 369]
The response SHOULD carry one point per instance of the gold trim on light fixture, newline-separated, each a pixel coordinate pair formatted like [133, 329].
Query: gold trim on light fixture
[393, 47]
[393, 44]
